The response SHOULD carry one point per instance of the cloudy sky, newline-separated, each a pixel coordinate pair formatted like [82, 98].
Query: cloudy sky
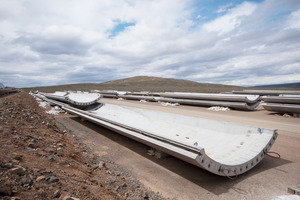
[236, 42]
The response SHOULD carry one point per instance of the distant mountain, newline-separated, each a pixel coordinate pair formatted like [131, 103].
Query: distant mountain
[144, 83]
[284, 85]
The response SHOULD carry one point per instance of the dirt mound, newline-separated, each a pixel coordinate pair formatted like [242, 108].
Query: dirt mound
[40, 161]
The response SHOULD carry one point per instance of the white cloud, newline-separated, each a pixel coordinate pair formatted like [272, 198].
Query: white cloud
[224, 8]
[231, 20]
[56, 42]
[294, 20]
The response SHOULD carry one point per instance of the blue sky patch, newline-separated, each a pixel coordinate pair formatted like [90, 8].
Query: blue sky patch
[120, 27]
[207, 10]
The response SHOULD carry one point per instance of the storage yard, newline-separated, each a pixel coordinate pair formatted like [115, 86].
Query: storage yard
[157, 172]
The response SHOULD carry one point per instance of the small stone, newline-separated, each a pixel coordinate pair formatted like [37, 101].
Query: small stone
[18, 157]
[27, 181]
[17, 170]
[52, 179]
[56, 194]
[59, 152]
[94, 166]
[145, 195]
[7, 165]
[5, 191]
[51, 158]
[1, 129]
[40, 178]
[15, 189]
[102, 164]
[15, 198]
[70, 198]
[32, 145]
[160, 155]
[35, 141]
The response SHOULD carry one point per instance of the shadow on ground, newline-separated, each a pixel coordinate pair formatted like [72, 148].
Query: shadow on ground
[212, 183]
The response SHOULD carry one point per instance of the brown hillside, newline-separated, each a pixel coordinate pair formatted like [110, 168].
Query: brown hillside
[144, 83]
[156, 84]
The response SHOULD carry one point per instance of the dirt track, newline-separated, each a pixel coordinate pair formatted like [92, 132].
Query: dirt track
[174, 178]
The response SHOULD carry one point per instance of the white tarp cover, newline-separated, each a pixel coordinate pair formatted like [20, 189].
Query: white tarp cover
[83, 97]
[76, 98]
[212, 96]
[223, 148]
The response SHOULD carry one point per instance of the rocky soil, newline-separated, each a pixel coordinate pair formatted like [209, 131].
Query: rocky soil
[40, 161]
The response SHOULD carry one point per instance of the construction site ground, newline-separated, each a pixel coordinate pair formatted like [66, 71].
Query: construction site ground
[93, 162]
[42, 160]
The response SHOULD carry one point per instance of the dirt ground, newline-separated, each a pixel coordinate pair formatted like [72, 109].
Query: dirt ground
[177, 179]
[39, 160]
[107, 165]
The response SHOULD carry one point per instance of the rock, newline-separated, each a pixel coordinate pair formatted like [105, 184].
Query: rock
[5, 191]
[32, 145]
[151, 152]
[18, 170]
[40, 178]
[52, 179]
[59, 152]
[56, 194]
[7, 165]
[117, 187]
[160, 155]
[94, 181]
[15, 198]
[94, 166]
[18, 157]
[145, 195]
[70, 198]
[287, 115]
[14, 189]
[1, 129]
[101, 164]
[35, 141]
[126, 195]
[51, 158]
[27, 181]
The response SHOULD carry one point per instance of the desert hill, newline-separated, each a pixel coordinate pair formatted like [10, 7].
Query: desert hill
[143, 83]
[156, 84]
